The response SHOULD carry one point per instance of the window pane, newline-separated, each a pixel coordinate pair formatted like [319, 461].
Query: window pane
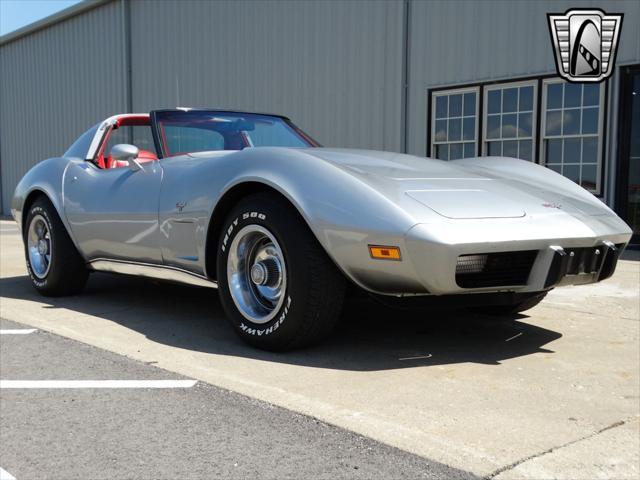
[495, 148]
[202, 130]
[554, 95]
[494, 101]
[509, 127]
[554, 151]
[267, 134]
[469, 128]
[186, 139]
[572, 95]
[571, 122]
[442, 152]
[590, 120]
[469, 104]
[455, 129]
[524, 124]
[589, 173]
[455, 105]
[441, 106]
[469, 150]
[571, 150]
[572, 172]
[553, 123]
[455, 152]
[590, 150]
[441, 131]
[493, 126]
[524, 150]
[526, 98]
[510, 149]
[510, 100]
[591, 94]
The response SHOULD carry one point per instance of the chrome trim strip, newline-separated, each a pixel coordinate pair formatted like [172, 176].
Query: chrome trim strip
[158, 272]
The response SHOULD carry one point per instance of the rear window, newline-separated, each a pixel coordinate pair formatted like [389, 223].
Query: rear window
[80, 147]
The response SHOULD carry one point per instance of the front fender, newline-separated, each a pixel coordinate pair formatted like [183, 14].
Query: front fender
[344, 213]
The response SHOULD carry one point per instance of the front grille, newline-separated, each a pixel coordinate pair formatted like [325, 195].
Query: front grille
[584, 260]
[584, 264]
[494, 269]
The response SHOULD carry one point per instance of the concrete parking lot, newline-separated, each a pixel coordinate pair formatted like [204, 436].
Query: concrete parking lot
[555, 394]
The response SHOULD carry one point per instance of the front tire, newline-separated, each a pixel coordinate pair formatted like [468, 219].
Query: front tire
[53, 263]
[277, 285]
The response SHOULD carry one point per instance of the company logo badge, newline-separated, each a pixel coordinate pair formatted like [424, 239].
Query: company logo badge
[585, 43]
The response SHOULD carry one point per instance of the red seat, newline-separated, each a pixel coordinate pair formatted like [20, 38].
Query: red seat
[144, 156]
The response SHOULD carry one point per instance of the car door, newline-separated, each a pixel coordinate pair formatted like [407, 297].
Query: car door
[113, 212]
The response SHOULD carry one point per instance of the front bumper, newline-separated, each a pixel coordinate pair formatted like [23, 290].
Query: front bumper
[434, 252]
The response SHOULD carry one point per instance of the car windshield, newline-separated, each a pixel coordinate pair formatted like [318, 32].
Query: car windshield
[199, 131]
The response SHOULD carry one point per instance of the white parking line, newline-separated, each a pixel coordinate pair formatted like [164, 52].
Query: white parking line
[5, 384]
[4, 475]
[17, 331]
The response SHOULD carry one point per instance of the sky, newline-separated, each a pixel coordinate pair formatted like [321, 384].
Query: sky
[15, 14]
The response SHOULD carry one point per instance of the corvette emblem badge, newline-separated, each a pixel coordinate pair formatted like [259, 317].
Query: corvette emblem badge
[552, 205]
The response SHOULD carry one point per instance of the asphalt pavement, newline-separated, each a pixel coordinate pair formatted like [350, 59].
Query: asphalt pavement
[554, 394]
[186, 432]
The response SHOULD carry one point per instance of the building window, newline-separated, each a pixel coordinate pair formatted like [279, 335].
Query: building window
[509, 120]
[454, 124]
[572, 131]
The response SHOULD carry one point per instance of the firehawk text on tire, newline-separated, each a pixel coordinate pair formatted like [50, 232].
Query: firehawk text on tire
[277, 285]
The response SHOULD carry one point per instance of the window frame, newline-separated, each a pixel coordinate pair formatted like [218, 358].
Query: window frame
[600, 134]
[605, 154]
[432, 129]
[534, 114]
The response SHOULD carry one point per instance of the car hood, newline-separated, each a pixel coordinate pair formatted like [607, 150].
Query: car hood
[457, 191]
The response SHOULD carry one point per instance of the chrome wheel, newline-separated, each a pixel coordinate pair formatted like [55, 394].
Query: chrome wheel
[39, 246]
[256, 273]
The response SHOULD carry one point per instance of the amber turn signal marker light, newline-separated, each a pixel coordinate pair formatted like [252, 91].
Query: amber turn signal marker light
[384, 252]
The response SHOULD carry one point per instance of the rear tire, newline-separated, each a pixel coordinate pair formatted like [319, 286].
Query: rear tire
[54, 265]
[277, 285]
[509, 310]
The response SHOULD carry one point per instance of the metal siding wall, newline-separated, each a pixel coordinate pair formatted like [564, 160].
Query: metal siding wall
[335, 68]
[56, 83]
[470, 41]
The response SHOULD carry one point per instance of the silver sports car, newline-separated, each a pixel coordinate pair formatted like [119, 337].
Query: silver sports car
[250, 204]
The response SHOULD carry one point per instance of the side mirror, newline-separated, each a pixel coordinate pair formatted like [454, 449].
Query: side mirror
[126, 153]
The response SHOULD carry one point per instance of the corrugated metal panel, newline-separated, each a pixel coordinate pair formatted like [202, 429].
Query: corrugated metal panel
[335, 68]
[469, 41]
[55, 83]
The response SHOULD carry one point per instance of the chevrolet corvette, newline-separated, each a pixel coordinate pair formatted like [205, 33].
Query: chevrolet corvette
[284, 229]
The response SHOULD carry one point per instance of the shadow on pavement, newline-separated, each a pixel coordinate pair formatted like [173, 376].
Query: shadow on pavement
[371, 336]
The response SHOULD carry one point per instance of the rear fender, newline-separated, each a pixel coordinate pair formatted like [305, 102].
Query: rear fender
[45, 178]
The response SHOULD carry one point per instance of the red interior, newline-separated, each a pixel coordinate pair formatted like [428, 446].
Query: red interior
[129, 121]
